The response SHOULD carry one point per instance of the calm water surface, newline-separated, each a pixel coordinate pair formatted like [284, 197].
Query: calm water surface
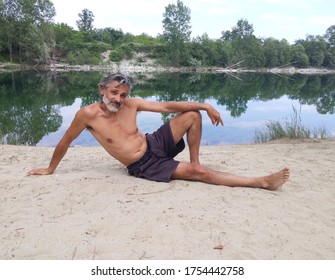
[37, 108]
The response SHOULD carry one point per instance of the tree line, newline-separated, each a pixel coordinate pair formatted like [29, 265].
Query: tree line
[28, 35]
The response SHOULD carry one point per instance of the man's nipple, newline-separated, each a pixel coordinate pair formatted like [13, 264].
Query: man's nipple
[109, 140]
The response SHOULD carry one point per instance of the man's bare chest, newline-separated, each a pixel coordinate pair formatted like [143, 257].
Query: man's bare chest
[113, 129]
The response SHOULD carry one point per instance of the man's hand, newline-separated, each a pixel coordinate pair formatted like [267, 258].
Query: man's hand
[77, 126]
[40, 171]
[214, 115]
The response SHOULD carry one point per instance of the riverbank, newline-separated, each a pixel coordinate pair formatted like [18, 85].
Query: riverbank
[128, 66]
[91, 209]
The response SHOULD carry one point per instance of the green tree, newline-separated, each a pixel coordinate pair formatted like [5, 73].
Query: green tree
[7, 31]
[299, 57]
[176, 32]
[245, 46]
[330, 36]
[207, 52]
[315, 48]
[85, 22]
[37, 11]
[108, 35]
[33, 46]
[276, 53]
[63, 37]
[271, 53]
[329, 60]
[22, 20]
[243, 29]
[62, 32]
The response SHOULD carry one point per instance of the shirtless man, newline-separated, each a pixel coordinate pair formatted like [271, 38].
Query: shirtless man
[113, 124]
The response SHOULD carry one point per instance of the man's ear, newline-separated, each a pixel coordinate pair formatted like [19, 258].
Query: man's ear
[102, 91]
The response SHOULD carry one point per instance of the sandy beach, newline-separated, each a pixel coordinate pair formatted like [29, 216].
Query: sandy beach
[91, 209]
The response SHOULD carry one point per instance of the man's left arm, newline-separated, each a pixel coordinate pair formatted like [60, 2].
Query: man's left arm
[180, 106]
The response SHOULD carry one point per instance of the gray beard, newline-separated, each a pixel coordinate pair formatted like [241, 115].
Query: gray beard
[110, 107]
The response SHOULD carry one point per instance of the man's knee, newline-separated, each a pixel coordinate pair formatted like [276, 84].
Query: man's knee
[194, 115]
[197, 172]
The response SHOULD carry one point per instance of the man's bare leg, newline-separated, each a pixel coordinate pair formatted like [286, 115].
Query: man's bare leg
[191, 124]
[189, 171]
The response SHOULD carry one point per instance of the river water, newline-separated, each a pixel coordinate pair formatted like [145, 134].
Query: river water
[37, 107]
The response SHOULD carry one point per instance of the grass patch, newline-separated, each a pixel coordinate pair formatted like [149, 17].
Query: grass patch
[290, 129]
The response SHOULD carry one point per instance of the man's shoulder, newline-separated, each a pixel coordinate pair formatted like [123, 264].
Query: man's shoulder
[89, 110]
[134, 101]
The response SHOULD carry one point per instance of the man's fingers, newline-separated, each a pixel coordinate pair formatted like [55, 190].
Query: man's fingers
[216, 122]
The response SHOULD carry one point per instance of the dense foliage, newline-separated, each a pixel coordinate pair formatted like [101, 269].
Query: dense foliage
[28, 35]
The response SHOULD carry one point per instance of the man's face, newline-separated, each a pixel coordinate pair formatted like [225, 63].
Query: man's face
[114, 96]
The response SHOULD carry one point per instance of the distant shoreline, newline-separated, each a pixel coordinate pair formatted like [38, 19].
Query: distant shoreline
[128, 67]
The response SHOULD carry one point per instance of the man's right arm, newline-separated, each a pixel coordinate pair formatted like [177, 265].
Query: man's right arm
[77, 126]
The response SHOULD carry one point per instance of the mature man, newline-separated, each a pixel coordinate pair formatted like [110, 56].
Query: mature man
[113, 124]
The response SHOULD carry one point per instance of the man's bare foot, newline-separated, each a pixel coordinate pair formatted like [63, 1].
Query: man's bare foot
[276, 180]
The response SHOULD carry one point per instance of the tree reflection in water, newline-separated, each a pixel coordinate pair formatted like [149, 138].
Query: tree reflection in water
[31, 102]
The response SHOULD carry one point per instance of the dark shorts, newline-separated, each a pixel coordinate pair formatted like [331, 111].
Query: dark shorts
[157, 164]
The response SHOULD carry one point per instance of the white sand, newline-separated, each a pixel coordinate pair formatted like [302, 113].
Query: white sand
[91, 209]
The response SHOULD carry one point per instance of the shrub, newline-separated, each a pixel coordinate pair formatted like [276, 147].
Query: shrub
[291, 129]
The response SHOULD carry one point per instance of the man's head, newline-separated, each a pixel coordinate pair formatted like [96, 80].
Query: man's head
[114, 89]
[122, 79]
